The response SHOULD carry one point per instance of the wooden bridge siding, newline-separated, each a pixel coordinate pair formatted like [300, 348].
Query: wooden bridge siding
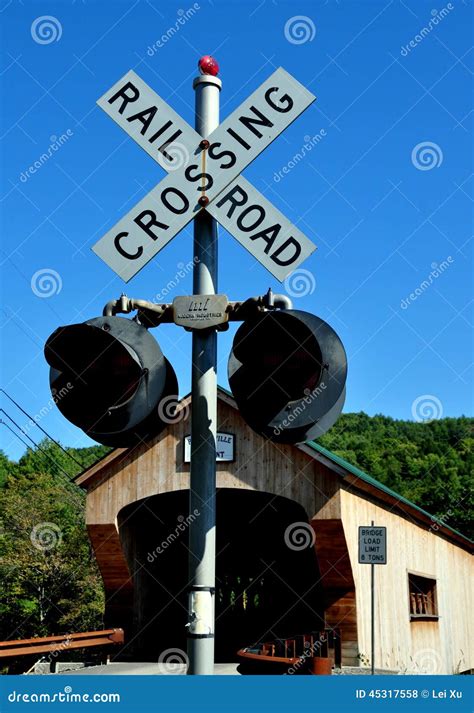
[338, 584]
[259, 465]
[401, 643]
[114, 571]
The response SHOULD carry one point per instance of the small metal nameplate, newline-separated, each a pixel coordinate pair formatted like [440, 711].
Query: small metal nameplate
[200, 311]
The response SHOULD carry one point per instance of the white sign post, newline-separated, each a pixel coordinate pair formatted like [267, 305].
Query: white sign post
[372, 550]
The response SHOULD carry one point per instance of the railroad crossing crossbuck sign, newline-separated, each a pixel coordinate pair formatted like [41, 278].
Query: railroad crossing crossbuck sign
[205, 174]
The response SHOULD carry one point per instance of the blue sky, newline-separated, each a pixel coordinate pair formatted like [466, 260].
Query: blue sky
[384, 214]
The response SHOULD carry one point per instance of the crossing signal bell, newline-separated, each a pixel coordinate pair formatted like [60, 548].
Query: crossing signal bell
[110, 378]
[287, 371]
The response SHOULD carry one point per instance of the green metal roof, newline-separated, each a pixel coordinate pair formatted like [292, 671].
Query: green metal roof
[380, 486]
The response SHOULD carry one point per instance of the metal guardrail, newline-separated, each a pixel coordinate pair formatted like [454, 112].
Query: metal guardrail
[63, 642]
[324, 643]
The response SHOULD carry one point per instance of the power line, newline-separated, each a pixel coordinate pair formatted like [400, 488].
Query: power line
[42, 429]
[4, 423]
[34, 443]
[73, 493]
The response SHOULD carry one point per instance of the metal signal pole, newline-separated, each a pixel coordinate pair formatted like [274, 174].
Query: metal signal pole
[202, 532]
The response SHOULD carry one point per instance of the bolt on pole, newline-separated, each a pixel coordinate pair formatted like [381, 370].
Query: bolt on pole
[202, 531]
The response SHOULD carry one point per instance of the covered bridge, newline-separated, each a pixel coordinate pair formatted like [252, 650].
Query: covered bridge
[287, 562]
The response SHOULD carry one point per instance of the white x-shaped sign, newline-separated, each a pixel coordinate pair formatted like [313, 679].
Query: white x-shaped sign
[215, 172]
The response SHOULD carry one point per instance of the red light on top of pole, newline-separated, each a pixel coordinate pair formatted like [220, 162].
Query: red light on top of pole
[208, 65]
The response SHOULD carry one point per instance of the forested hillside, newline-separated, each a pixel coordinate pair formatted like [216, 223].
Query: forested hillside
[50, 580]
[431, 464]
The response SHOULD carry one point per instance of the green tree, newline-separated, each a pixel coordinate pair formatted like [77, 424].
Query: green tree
[431, 464]
[51, 581]
[5, 468]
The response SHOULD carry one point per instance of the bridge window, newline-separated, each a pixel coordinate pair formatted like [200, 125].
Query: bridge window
[423, 600]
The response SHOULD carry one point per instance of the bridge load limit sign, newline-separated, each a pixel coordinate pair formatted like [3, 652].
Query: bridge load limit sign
[372, 545]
